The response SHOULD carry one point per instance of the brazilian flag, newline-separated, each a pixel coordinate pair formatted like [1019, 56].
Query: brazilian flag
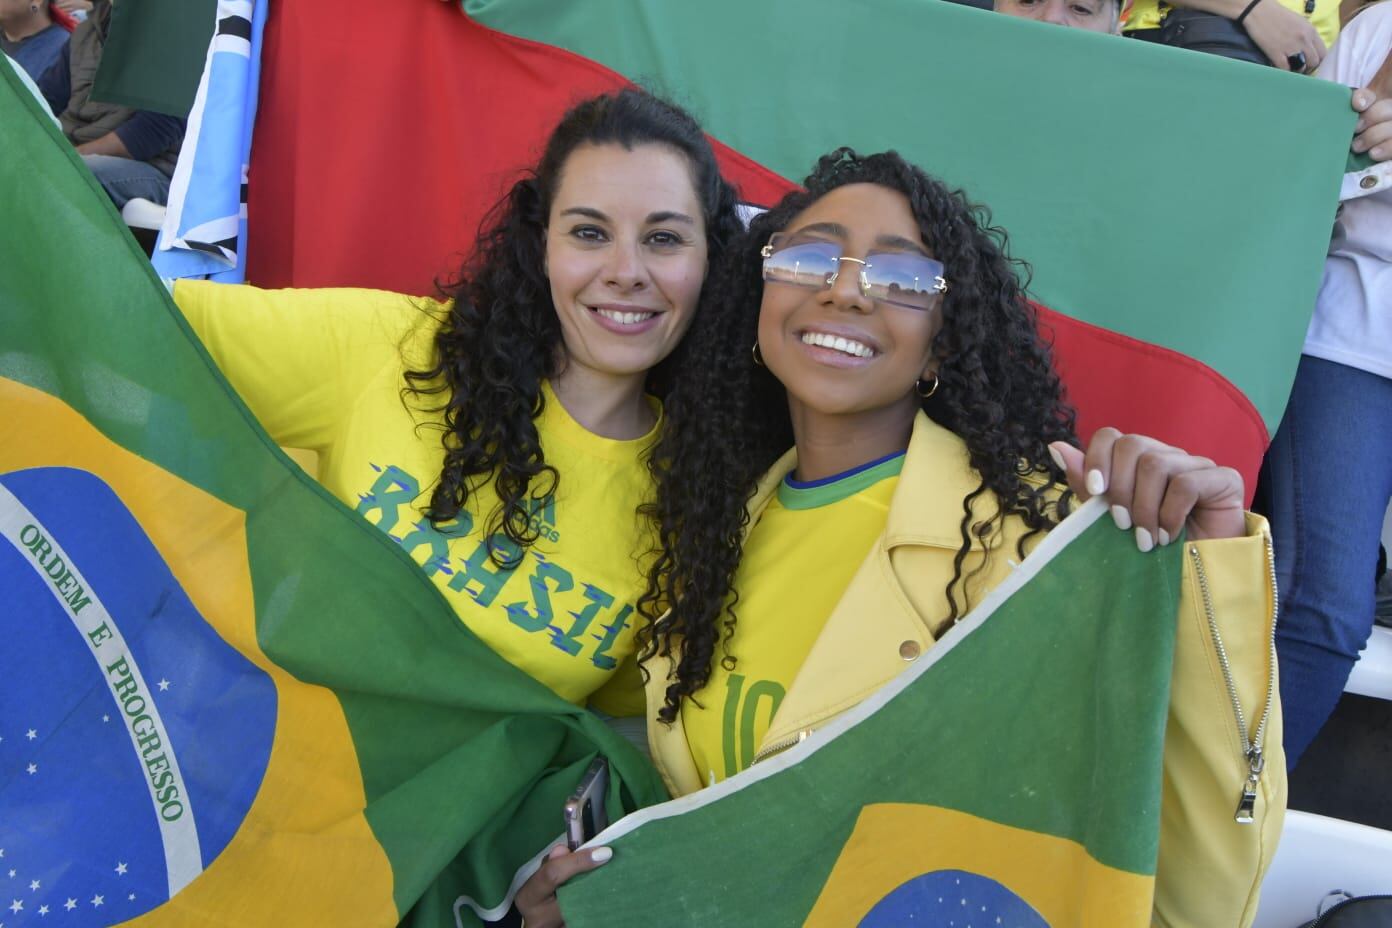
[225, 699]
[1011, 778]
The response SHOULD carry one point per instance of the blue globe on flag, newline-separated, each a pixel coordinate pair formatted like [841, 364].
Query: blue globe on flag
[133, 738]
[952, 899]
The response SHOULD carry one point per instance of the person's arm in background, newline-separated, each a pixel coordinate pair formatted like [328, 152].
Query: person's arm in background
[139, 138]
[56, 82]
[1373, 103]
[1278, 32]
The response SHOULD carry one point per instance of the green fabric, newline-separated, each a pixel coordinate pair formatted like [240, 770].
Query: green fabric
[466, 761]
[1119, 168]
[154, 54]
[1063, 690]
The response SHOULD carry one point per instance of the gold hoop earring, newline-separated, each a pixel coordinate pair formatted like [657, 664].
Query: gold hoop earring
[758, 358]
[918, 386]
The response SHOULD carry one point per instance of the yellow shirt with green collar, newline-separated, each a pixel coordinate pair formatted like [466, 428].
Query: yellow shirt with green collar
[323, 370]
[1323, 15]
[801, 578]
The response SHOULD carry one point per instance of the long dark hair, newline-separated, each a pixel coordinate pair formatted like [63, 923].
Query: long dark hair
[501, 337]
[728, 419]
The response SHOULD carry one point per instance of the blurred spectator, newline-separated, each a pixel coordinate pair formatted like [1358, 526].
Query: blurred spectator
[1292, 35]
[131, 152]
[29, 35]
[1095, 15]
[1328, 475]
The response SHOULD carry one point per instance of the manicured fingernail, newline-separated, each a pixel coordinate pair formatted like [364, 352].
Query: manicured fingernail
[1096, 484]
[1162, 536]
[1377, 153]
[1121, 517]
[1058, 458]
[1359, 126]
[1143, 540]
[600, 854]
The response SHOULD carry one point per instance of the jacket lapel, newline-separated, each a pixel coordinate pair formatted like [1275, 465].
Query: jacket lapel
[878, 628]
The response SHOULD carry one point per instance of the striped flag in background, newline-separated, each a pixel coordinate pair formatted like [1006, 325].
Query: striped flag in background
[1175, 207]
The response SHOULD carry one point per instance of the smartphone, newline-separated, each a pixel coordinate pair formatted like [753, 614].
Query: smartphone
[584, 810]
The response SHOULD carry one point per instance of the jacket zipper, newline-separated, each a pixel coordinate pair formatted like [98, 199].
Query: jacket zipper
[782, 744]
[1253, 744]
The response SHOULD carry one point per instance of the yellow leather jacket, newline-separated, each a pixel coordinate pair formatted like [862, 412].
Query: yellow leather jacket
[1210, 867]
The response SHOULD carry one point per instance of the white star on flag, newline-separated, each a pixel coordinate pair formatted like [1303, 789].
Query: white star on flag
[33, 885]
[120, 868]
[31, 734]
[70, 904]
[163, 685]
[16, 906]
[131, 897]
[105, 717]
[12, 874]
[32, 769]
[43, 910]
[96, 901]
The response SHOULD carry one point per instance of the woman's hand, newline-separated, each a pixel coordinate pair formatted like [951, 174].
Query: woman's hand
[1155, 489]
[536, 900]
[1280, 34]
[1374, 107]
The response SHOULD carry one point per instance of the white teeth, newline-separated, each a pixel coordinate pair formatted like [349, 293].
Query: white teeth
[625, 318]
[837, 343]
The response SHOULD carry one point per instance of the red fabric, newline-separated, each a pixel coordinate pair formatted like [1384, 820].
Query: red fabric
[62, 18]
[1113, 379]
[381, 140]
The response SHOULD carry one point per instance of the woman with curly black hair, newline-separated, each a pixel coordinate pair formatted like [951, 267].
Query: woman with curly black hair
[874, 323]
[499, 435]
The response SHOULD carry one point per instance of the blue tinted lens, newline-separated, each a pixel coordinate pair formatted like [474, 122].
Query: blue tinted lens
[807, 264]
[903, 278]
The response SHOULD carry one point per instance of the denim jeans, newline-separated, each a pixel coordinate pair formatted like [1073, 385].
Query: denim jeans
[1328, 477]
[124, 179]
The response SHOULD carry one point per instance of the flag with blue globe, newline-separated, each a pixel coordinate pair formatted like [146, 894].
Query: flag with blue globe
[135, 737]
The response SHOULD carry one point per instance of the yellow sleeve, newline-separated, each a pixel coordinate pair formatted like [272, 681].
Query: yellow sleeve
[299, 358]
[1211, 867]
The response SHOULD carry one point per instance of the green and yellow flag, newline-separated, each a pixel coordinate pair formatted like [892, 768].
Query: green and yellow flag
[225, 699]
[1012, 777]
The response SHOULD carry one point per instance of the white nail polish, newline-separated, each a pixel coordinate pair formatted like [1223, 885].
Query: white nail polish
[1163, 536]
[600, 854]
[1143, 540]
[1095, 484]
[1121, 517]
[1058, 459]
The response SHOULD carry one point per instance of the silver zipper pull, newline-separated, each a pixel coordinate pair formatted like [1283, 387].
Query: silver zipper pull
[1247, 802]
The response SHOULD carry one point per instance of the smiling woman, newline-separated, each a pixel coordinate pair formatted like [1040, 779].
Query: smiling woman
[896, 354]
[499, 434]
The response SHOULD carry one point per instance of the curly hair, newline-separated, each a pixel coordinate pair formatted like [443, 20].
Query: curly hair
[728, 420]
[501, 337]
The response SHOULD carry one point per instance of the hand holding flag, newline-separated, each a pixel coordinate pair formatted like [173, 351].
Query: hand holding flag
[1154, 487]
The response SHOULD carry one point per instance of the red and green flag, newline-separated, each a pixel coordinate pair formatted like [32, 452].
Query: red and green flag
[1175, 208]
[1012, 777]
[225, 699]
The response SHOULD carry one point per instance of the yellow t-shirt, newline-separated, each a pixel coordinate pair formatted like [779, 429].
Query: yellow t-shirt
[798, 560]
[323, 369]
[1145, 14]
